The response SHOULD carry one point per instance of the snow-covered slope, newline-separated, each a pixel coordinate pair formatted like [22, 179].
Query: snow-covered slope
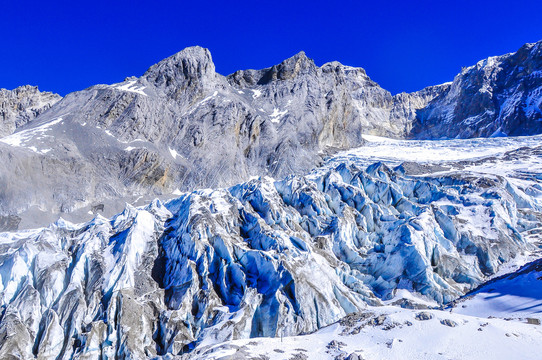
[515, 295]
[387, 333]
[271, 258]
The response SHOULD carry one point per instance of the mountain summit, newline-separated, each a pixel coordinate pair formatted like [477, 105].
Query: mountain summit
[182, 126]
[498, 96]
[187, 67]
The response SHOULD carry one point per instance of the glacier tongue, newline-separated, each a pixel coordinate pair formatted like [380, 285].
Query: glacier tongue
[263, 258]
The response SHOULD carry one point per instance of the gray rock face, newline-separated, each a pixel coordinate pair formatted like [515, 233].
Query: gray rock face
[182, 125]
[498, 96]
[21, 105]
[423, 316]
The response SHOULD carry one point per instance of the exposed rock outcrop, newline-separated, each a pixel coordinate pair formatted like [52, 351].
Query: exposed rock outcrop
[182, 125]
[498, 96]
[22, 105]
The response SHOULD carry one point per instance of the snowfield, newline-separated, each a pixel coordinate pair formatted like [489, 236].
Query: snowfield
[512, 296]
[395, 152]
[393, 333]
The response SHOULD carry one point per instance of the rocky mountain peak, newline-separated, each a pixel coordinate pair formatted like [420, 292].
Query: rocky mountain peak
[289, 69]
[191, 64]
[337, 67]
[529, 58]
[295, 64]
[498, 96]
[533, 49]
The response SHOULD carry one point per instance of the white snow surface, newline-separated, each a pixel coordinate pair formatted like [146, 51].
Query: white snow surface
[517, 295]
[173, 153]
[26, 137]
[130, 86]
[430, 151]
[256, 93]
[277, 114]
[478, 156]
[386, 333]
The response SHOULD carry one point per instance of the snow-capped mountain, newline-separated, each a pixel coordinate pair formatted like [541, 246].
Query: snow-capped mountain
[364, 243]
[268, 258]
[498, 96]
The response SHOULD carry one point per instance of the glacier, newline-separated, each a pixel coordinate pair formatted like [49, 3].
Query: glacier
[273, 258]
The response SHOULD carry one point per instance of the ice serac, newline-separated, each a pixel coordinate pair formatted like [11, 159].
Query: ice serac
[261, 258]
[21, 105]
[81, 280]
[498, 96]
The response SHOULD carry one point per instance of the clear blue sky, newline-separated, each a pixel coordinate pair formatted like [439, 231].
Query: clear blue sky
[64, 46]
